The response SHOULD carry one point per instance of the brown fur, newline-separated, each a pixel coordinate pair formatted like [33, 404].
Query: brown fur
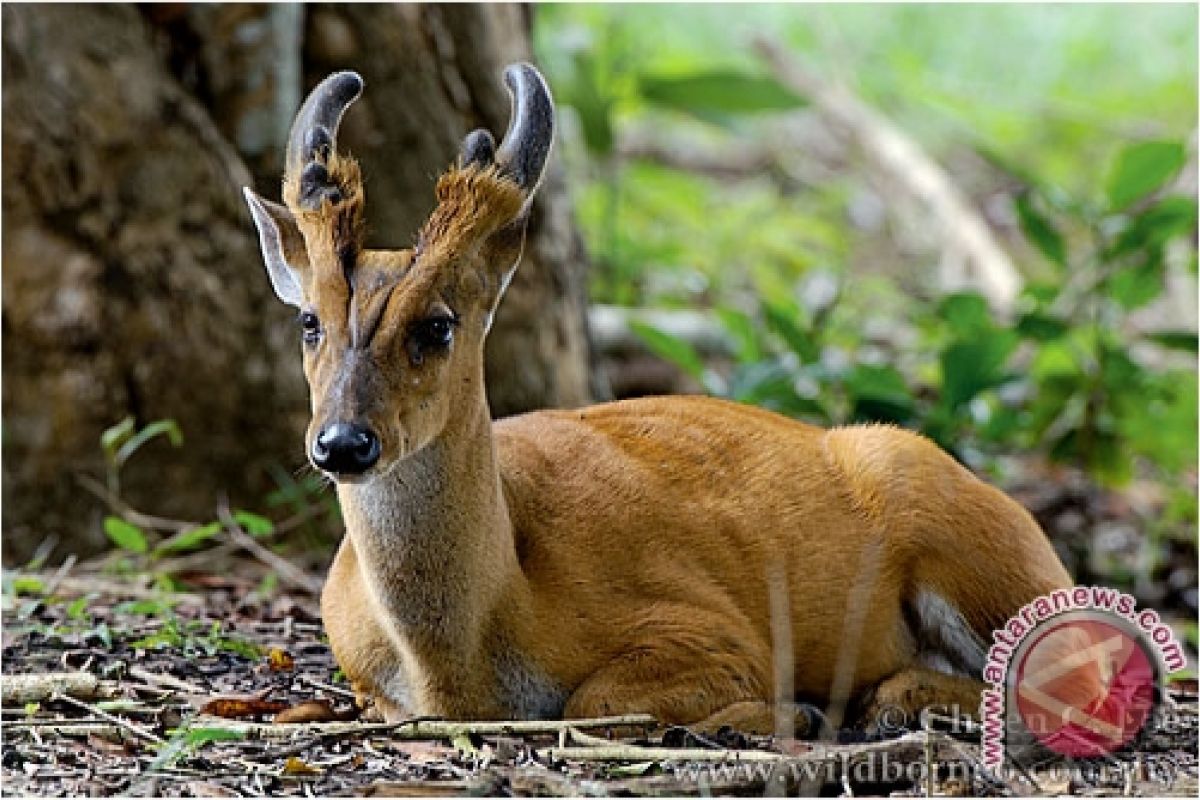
[615, 559]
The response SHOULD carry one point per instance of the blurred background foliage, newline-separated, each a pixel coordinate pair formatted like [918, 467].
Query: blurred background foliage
[706, 180]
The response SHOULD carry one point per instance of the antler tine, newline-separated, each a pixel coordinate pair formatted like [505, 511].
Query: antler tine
[316, 125]
[530, 132]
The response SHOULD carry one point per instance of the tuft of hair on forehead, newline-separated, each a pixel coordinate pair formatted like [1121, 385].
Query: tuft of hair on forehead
[333, 232]
[473, 202]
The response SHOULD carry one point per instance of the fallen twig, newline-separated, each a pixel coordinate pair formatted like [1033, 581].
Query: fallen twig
[115, 720]
[130, 514]
[22, 689]
[286, 570]
[167, 681]
[631, 752]
[422, 728]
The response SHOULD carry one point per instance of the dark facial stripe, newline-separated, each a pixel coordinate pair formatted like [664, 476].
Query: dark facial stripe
[361, 336]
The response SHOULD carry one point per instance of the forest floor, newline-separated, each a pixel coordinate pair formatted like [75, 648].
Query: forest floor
[182, 694]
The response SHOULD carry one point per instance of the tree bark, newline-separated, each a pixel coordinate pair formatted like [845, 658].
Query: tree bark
[132, 280]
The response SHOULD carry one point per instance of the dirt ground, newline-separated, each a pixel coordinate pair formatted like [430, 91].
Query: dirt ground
[181, 693]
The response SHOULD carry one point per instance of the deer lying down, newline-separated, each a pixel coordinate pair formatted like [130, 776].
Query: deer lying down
[612, 559]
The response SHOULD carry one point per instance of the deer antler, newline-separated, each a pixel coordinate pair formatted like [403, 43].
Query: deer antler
[312, 142]
[526, 146]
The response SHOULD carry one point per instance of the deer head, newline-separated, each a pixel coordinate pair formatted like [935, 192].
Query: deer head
[393, 339]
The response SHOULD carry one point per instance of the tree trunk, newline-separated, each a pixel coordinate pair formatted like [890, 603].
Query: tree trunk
[132, 280]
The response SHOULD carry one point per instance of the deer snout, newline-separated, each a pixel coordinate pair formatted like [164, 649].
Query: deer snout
[345, 448]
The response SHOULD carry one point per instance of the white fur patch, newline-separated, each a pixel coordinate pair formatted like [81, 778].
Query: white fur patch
[944, 637]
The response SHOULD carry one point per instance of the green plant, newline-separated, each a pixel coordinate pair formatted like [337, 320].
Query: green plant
[1062, 378]
[145, 542]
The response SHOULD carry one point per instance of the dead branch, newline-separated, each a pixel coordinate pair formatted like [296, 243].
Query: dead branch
[130, 514]
[981, 262]
[423, 728]
[286, 570]
[115, 720]
[17, 690]
[633, 752]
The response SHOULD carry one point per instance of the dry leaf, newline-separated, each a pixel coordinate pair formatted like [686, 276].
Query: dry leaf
[280, 660]
[241, 707]
[308, 711]
[296, 766]
[206, 789]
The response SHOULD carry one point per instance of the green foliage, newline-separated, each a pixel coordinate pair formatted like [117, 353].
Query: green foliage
[147, 543]
[715, 94]
[1071, 373]
[671, 348]
[1080, 392]
[1141, 169]
[187, 740]
[125, 535]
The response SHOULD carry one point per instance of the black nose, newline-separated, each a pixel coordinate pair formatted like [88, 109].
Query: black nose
[345, 448]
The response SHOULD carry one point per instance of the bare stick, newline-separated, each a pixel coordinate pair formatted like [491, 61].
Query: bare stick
[115, 720]
[345, 693]
[633, 752]
[22, 689]
[121, 508]
[423, 728]
[286, 570]
[54, 582]
[167, 681]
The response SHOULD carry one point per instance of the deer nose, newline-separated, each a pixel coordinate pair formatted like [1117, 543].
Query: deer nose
[345, 447]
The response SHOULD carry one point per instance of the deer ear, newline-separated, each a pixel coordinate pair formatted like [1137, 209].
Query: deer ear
[282, 246]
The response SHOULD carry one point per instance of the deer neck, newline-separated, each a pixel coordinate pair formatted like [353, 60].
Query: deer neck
[434, 539]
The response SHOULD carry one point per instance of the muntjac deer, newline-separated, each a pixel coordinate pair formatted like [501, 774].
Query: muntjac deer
[616, 558]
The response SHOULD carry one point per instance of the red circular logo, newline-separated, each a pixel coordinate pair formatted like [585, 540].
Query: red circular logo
[1086, 684]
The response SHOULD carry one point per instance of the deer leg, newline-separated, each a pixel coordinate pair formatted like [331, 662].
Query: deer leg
[706, 691]
[898, 701]
[360, 645]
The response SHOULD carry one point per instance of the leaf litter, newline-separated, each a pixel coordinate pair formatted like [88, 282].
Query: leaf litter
[220, 691]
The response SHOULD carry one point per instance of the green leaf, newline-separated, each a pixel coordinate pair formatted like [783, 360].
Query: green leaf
[771, 385]
[162, 427]
[112, 437]
[1041, 327]
[166, 636]
[592, 106]
[77, 609]
[1135, 286]
[719, 92]
[124, 535]
[971, 366]
[1040, 231]
[1142, 168]
[1158, 224]
[189, 740]
[879, 394]
[966, 313]
[254, 524]
[671, 348]
[784, 324]
[744, 333]
[1176, 340]
[28, 584]
[146, 607]
[189, 539]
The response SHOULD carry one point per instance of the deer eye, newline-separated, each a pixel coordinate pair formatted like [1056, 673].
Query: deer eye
[430, 336]
[310, 327]
[434, 333]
